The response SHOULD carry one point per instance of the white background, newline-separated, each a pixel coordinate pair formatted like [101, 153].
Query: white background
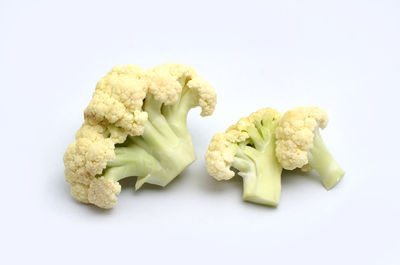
[340, 55]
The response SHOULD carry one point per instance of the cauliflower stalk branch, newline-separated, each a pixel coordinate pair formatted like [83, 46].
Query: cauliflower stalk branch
[164, 149]
[320, 159]
[249, 147]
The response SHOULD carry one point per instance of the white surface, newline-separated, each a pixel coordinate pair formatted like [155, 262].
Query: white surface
[340, 55]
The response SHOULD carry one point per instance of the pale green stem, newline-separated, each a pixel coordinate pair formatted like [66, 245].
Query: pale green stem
[163, 151]
[263, 187]
[323, 162]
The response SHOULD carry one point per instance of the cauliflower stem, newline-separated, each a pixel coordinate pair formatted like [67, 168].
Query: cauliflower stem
[259, 167]
[164, 149]
[323, 162]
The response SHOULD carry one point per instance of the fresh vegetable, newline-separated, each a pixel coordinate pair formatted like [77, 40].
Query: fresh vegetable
[299, 144]
[260, 145]
[249, 147]
[135, 125]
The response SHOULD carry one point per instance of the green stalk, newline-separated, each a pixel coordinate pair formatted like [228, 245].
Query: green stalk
[259, 168]
[157, 120]
[176, 115]
[163, 151]
[130, 161]
[323, 162]
[263, 187]
[173, 160]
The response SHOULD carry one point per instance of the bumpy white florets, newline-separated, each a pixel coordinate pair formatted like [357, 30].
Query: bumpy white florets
[295, 135]
[103, 192]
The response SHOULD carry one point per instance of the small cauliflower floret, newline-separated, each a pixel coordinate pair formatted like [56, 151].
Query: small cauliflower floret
[299, 144]
[135, 125]
[249, 147]
[103, 192]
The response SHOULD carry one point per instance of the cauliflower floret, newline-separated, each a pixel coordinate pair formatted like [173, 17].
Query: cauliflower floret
[249, 147]
[145, 113]
[103, 192]
[118, 100]
[85, 158]
[220, 155]
[299, 144]
[295, 135]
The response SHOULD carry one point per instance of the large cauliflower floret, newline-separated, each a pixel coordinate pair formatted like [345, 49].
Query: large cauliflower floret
[135, 125]
[299, 144]
[249, 147]
[296, 135]
[85, 158]
[118, 100]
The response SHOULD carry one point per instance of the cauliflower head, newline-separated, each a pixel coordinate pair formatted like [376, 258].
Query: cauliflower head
[135, 125]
